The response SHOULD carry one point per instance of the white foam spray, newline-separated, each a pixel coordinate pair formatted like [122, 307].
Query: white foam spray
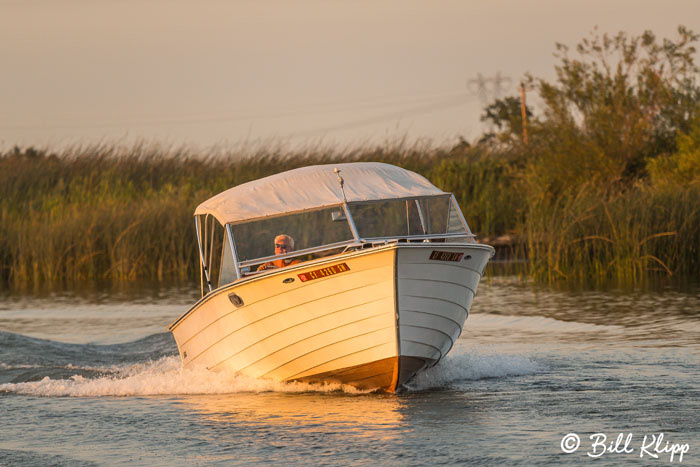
[161, 377]
[167, 377]
[7, 366]
[469, 364]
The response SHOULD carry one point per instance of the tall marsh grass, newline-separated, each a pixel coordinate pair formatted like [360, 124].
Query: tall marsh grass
[626, 237]
[125, 213]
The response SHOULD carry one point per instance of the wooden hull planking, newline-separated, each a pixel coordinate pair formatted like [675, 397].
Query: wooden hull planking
[391, 314]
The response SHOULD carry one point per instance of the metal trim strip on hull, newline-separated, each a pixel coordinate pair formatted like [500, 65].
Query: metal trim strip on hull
[440, 299]
[441, 282]
[460, 326]
[425, 344]
[430, 329]
[395, 379]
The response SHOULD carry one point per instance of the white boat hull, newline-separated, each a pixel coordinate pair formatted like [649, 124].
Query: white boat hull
[370, 318]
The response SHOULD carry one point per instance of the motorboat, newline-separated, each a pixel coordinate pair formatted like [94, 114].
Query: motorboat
[356, 273]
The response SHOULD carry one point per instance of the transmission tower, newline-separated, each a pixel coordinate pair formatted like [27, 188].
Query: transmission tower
[488, 88]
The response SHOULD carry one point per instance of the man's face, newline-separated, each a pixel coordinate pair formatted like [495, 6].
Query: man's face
[282, 246]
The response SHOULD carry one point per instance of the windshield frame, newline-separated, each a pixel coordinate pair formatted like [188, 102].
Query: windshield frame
[356, 241]
[424, 219]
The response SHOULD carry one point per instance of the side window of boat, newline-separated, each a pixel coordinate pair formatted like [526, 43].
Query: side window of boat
[404, 218]
[309, 229]
[228, 271]
[211, 237]
[441, 216]
[393, 218]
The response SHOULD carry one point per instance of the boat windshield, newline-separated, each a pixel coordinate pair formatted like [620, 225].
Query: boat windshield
[407, 217]
[327, 231]
[311, 229]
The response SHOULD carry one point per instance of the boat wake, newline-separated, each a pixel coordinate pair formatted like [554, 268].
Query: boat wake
[466, 364]
[164, 376]
[122, 371]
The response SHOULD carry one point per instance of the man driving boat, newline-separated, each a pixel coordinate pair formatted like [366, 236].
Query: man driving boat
[283, 244]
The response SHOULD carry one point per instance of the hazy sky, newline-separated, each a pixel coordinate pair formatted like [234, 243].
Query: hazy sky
[302, 71]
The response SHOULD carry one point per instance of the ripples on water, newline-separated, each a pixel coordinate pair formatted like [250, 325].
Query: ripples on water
[95, 380]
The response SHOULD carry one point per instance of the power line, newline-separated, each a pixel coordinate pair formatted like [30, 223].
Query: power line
[229, 118]
[418, 110]
[482, 88]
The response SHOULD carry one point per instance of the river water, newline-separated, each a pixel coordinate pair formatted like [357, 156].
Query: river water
[93, 378]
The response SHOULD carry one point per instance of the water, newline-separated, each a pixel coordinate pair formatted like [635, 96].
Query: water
[94, 379]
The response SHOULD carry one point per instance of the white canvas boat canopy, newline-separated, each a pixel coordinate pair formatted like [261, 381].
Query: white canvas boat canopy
[315, 187]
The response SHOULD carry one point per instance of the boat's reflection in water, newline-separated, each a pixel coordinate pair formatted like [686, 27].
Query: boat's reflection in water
[343, 427]
[357, 415]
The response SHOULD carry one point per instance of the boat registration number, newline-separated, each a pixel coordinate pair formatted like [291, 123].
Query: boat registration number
[445, 256]
[324, 272]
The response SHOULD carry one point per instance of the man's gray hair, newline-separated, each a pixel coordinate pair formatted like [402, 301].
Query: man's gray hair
[289, 239]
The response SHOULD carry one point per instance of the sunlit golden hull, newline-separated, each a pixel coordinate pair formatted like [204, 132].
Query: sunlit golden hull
[370, 318]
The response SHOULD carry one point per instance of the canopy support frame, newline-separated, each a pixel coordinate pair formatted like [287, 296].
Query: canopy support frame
[459, 213]
[234, 254]
[203, 265]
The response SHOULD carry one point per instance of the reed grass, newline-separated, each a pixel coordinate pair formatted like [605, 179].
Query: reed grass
[125, 213]
[626, 238]
[116, 213]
